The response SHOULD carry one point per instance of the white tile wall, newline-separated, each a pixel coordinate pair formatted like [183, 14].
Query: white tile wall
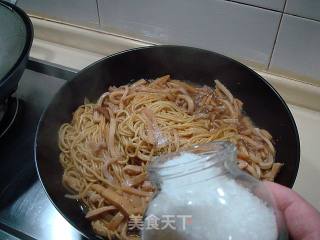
[304, 8]
[82, 12]
[230, 28]
[270, 4]
[297, 50]
[242, 29]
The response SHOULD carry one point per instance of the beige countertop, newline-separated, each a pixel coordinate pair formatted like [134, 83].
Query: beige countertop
[294, 92]
[306, 184]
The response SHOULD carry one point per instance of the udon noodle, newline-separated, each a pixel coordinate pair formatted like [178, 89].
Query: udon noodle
[107, 146]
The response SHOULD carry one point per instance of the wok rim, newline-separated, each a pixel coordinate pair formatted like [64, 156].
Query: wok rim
[43, 116]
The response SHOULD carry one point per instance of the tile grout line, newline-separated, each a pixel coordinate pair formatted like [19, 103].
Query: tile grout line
[295, 15]
[97, 4]
[304, 18]
[276, 37]
[284, 6]
[251, 5]
[274, 10]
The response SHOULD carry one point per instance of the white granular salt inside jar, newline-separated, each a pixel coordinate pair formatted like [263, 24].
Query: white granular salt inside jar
[218, 208]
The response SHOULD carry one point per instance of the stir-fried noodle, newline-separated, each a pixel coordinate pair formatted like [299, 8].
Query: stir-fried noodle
[106, 147]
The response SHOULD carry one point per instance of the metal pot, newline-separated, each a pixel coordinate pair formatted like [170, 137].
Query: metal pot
[16, 35]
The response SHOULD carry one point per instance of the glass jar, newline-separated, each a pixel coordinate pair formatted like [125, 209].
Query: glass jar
[202, 194]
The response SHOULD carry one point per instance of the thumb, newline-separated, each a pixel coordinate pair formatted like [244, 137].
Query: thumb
[302, 219]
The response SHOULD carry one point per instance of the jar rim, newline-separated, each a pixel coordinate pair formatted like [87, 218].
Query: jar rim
[208, 155]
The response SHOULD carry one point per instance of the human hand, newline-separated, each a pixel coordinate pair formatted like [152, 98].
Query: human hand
[302, 219]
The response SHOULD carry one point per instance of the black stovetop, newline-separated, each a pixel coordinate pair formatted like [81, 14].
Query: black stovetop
[25, 210]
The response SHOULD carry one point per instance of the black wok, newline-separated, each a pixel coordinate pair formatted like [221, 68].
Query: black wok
[261, 102]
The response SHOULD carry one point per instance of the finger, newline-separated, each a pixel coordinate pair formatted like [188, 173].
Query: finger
[302, 220]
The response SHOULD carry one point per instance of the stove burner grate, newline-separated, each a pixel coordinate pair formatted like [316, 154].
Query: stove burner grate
[8, 113]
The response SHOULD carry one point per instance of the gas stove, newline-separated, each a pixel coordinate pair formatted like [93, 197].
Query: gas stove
[25, 210]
